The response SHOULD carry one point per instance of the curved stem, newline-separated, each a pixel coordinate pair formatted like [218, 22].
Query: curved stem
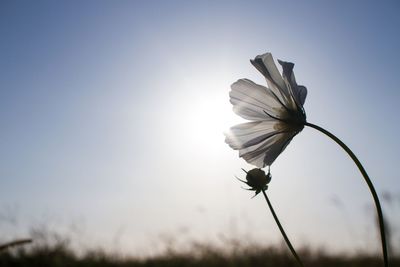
[282, 231]
[369, 183]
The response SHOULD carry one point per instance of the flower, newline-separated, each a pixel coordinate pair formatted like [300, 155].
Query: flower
[257, 180]
[275, 112]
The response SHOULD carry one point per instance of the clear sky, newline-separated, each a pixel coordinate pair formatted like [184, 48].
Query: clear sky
[112, 116]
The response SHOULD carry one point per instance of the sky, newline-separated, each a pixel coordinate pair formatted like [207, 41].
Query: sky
[112, 117]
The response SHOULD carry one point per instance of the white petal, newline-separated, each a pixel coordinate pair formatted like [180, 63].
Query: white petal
[274, 151]
[259, 142]
[302, 93]
[269, 150]
[299, 92]
[257, 161]
[251, 101]
[252, 133]
[266, 65]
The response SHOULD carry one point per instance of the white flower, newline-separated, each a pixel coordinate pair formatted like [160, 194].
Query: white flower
[276, 112]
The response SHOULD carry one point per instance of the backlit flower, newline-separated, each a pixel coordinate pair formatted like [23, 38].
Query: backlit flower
[275, 112]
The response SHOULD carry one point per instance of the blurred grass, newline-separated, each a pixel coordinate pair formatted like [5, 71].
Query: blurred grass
[60, 254]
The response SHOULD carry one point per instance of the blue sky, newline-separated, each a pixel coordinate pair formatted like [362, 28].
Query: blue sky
[112, 117]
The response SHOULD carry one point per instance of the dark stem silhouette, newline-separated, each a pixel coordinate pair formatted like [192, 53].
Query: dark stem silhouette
[282, 231]
[369, 183]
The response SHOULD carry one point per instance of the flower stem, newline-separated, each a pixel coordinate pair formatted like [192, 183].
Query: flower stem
[282, 231]
[370, 186]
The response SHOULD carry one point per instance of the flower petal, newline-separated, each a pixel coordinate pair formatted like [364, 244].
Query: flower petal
[302, 93]
[268, 150]
[274, 151]
[259, 142]
[251, 101]
[299, 92]
[252, 133]
[266, 65]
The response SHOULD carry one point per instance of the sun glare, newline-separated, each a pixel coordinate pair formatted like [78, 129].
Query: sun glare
[206, 117]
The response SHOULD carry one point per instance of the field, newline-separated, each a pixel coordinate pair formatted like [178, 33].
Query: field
[60, 255]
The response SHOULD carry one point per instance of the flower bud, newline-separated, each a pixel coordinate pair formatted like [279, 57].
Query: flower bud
[257, 179]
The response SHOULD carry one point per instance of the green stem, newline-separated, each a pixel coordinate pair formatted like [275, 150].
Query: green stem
[282, 231]
[370, 186]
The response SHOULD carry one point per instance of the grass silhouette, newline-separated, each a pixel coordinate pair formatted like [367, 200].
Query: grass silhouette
[60, 254]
